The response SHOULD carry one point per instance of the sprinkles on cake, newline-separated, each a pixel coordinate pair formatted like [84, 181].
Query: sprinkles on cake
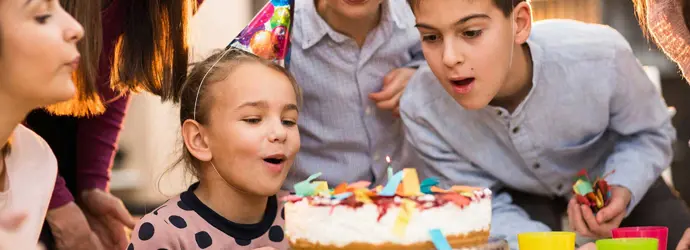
[403, 189]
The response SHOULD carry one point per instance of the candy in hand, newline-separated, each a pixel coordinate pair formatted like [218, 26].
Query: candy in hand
[595, 195]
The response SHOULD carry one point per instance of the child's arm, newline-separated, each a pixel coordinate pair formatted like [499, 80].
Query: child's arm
[508, 219]
[639, 114]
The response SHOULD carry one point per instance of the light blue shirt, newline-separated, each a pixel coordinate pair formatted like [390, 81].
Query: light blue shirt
[591, 107]
[343, 134]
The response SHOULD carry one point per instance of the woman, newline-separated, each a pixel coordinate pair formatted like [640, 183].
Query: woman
[132, 45]
[38, 54]
[668, 24]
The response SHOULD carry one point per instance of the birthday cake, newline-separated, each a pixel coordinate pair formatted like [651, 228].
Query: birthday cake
[405, 214]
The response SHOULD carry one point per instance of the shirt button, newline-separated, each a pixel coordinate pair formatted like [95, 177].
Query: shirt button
[376, 156]
[516, 130]
[368, 111]
[536, 166]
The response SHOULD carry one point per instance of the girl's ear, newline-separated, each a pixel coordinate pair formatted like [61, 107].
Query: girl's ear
[195, 141]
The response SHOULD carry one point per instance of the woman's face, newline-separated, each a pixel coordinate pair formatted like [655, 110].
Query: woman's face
[38, 52]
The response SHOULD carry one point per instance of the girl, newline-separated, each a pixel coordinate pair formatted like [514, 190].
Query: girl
[38, 54]
[238, 115]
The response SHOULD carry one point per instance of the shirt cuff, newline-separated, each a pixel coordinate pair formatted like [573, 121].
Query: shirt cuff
[637, 184]
[61, 195]
[93, 182]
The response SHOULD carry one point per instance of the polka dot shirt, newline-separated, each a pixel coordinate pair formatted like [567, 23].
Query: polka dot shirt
[185, 222]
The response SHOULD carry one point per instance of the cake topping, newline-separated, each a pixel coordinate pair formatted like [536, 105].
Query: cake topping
[393, 184]
[401, 187]
[406, 210]
[439, 240]
[410, 183]
[427, 184]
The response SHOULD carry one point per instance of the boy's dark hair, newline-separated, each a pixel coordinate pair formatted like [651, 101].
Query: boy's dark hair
[506, 6]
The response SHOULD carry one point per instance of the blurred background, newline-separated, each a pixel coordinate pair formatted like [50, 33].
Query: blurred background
[149, 142]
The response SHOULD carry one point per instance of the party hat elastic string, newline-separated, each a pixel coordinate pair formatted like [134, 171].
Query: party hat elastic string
[196, 99]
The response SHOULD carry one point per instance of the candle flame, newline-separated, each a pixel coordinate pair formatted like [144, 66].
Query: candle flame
[388, 159]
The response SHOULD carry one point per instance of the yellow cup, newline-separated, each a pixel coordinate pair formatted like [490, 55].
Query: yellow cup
[547, 241]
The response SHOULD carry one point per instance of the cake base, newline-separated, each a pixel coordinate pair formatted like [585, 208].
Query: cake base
[472, 239]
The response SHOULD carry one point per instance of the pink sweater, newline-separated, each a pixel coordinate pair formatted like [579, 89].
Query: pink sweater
[667, 26]
[31, 172]
[185, 222]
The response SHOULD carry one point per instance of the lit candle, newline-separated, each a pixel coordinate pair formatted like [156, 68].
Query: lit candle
[390, 168]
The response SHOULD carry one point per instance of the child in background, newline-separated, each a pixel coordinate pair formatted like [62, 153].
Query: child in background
[353, 59]
[505, 103]
[239, 124]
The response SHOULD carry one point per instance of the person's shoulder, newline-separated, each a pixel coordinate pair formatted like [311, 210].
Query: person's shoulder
[422, 90]
[402, 11]
[27, 146]
[565, 40]
[154, 229]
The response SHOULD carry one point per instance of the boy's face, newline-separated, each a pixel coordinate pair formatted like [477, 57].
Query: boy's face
[468, 46]
[352, 9]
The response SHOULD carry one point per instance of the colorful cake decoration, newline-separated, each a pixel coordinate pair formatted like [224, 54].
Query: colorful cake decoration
[403, 189]
[439, 240]
[595, 195]
[305, 187]
[268, 33]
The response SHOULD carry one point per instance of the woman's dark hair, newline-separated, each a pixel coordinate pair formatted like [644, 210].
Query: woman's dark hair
[215, 68]
[151, 54]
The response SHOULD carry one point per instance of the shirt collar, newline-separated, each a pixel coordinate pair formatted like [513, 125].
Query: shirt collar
[313, 28]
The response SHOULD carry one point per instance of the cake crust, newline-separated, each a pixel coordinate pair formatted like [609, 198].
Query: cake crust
[472, 239]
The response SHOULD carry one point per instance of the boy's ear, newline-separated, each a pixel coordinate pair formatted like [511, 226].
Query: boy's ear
[195, 140]
[522, 18]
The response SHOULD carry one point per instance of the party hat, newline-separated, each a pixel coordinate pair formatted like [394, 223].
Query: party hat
[268, 34]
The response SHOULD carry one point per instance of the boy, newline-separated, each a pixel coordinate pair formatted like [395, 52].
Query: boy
[352, 59]
[538, 104]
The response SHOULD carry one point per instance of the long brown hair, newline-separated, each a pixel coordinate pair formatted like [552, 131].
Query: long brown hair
[151, 54]
[641, 10]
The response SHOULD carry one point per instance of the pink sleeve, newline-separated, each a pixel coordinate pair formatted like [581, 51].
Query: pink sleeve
[153, 233]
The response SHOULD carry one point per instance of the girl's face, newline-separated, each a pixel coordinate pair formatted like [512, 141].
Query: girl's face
[252, 131]
[38, 52]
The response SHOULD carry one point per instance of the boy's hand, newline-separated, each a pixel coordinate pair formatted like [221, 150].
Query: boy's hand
[684, 243]
[583, 221]
[393, 86]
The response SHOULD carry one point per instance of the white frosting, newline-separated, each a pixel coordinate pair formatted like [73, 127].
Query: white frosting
[341, 225]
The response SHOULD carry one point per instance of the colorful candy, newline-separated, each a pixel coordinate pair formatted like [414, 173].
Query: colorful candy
[596, 195]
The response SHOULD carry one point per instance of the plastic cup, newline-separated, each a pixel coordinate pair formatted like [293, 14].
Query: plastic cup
[659, 233]
[628, 244]
[547, 241]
